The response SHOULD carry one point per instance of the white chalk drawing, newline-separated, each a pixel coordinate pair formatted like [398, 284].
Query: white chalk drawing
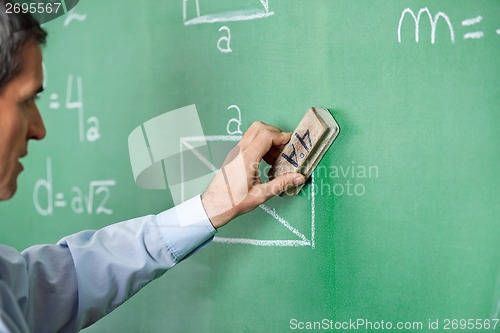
[154, 150]
[74, 16]
[235, 121]
[225, 40]
[194, 13]
[89, 128]
[474, 35]
[433, 22]
[82, 201]
[297, 237]
[471, 22]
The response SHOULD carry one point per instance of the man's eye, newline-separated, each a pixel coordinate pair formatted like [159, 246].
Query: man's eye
[30, 100]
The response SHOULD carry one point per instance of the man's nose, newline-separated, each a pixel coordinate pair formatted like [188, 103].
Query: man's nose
[36, 129]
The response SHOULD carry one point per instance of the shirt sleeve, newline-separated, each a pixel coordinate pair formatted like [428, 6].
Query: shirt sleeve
[88, 274]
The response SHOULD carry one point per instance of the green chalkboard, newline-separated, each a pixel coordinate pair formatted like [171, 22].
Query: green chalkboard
[402, 221]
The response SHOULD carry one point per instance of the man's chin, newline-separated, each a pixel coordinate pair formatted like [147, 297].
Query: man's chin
[8, 191]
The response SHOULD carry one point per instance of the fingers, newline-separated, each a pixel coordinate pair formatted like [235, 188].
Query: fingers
[263, 141]
[257, 128]
[277, 186]
[236, 189]
[253, 131]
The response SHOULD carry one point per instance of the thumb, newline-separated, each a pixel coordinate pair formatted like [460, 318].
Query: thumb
[280, 184]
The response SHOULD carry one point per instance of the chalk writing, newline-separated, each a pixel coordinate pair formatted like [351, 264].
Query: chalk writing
[225, 40]
[94, 201]
[235, 121]
[88, 128]
[74, 16]
[471, 22]
[434, 20]
[192, 14]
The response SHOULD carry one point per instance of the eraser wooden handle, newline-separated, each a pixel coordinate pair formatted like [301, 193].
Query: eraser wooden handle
[309, 142]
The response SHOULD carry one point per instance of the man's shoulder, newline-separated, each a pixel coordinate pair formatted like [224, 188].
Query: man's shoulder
[10, 259]
[7, 252]
[13, 295]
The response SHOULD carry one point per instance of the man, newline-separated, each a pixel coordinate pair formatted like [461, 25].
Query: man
[70, 285]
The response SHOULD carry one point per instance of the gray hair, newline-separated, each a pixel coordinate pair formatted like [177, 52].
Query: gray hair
[16, 30]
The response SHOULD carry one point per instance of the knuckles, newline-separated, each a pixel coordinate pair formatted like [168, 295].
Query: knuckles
[257, 124]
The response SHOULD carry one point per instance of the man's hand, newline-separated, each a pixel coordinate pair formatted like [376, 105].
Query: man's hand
[237, 189]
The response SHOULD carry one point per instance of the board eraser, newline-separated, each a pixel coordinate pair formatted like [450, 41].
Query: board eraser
[309, 142]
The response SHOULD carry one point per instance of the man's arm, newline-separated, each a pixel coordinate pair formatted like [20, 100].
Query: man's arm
[87, 275]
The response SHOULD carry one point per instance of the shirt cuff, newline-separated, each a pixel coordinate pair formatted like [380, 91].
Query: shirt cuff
[185, 228]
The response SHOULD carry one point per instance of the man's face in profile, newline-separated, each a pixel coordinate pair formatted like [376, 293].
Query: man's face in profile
[20, 119]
